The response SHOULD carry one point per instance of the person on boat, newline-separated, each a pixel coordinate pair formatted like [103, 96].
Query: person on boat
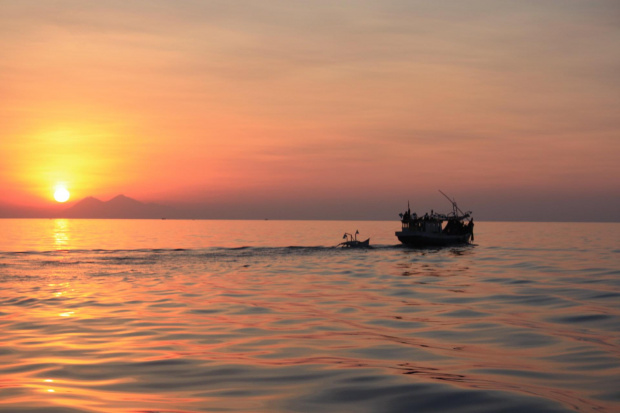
[470, 227]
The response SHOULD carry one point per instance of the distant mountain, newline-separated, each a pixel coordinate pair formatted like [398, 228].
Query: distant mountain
[120, 207]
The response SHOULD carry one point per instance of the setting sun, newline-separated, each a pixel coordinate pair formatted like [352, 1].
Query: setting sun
[61, 194]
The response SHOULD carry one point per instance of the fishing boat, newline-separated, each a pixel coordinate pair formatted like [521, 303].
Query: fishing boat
[429, 230]
[352, 242]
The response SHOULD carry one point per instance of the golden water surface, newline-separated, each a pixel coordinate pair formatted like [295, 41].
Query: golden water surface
[198, 316]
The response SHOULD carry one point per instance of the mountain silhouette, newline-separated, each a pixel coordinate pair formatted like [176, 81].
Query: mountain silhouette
[119, 207]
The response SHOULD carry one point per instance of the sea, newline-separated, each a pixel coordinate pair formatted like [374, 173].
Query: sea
[145, 316]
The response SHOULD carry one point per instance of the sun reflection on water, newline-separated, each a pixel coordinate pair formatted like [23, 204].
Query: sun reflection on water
[61, 233]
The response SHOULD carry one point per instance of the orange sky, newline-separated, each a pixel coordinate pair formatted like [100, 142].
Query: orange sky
[320, 107]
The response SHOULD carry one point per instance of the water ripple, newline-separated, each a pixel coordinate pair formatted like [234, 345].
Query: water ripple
[503, 326]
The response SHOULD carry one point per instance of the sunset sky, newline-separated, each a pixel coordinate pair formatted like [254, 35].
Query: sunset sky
[314, 109]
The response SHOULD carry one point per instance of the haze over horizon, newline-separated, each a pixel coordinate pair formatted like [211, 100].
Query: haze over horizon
[322, 110]
[124, 207]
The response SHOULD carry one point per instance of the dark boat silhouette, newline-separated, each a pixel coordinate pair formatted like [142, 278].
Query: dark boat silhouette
[429, 230]
[352, 242]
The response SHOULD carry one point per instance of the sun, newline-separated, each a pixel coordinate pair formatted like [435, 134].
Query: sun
[61, 194]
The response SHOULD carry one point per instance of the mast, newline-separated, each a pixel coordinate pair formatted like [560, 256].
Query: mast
[455, 207]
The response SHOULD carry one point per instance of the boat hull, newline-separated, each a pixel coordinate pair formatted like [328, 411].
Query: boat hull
[420, 239]
[356, 244]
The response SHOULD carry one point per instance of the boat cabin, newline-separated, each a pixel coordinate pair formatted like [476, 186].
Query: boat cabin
[421, 225]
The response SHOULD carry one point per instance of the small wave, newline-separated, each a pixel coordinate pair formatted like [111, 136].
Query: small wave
[208, 250]
[583, 318]
[94, 250]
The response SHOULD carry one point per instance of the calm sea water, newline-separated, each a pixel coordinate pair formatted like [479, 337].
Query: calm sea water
[267, 316]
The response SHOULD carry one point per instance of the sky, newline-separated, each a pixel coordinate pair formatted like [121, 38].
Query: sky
[314, 109]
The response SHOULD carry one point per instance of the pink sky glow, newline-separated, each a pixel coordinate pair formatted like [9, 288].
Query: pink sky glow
[314, 110]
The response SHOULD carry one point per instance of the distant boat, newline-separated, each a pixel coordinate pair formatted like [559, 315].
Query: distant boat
[352, 242]
[430, 231]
